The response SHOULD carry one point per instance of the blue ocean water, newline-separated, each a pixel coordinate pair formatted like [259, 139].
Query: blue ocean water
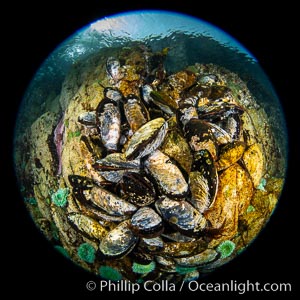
[190, 40]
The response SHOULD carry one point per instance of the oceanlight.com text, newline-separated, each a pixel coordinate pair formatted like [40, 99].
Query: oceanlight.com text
[193, 286]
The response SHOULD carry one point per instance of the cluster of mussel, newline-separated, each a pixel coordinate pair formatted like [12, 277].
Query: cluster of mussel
[170, 152]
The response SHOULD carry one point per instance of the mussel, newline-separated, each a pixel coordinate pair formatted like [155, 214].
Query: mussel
[166, 174]
[182, 216]
[146, 139]
[119, 241]
[146, 222]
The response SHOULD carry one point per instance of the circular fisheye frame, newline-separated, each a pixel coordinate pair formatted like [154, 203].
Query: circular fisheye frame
[143, 154]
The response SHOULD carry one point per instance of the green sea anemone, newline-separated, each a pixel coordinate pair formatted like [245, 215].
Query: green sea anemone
[59, 198]
[262, 184]
[226, 248]
[62, 250]
[184, 270]
[143, 269]
[250, 208]
[86, 252]
[110, 273]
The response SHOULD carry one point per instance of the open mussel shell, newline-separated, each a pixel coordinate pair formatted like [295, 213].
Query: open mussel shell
[146, 222]
[146, 139]
[221, 135]
[181, 215]
[119, 241]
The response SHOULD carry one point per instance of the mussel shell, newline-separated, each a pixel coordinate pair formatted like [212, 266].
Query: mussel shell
[119, 241]
[109, 123]
[113, 94]
[135, 111]
[200, 259]
[177, 237]
[166, 174]
[218, 110]
[176, 147]
[188, 102]
[185, 114]
[233, 126]
[87, 226]
[138, 189]
[230, 154]
[166, 264]
[90, 210]
[209, 79]
[215, 91]
[80, 182]
[221, 135]
[145, 91]
[203, 181]
[113, 69]
[88, 119]
[183, 249]
[140, 257]
[253, 160]
[146, 139]
[164, 102]
[233, 197]
[181, 215]
[146, 222]
[110, 202]
[115, 165]
[200, 136]
[153, 245]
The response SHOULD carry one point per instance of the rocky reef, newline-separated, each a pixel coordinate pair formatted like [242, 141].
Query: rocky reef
[137, 174]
